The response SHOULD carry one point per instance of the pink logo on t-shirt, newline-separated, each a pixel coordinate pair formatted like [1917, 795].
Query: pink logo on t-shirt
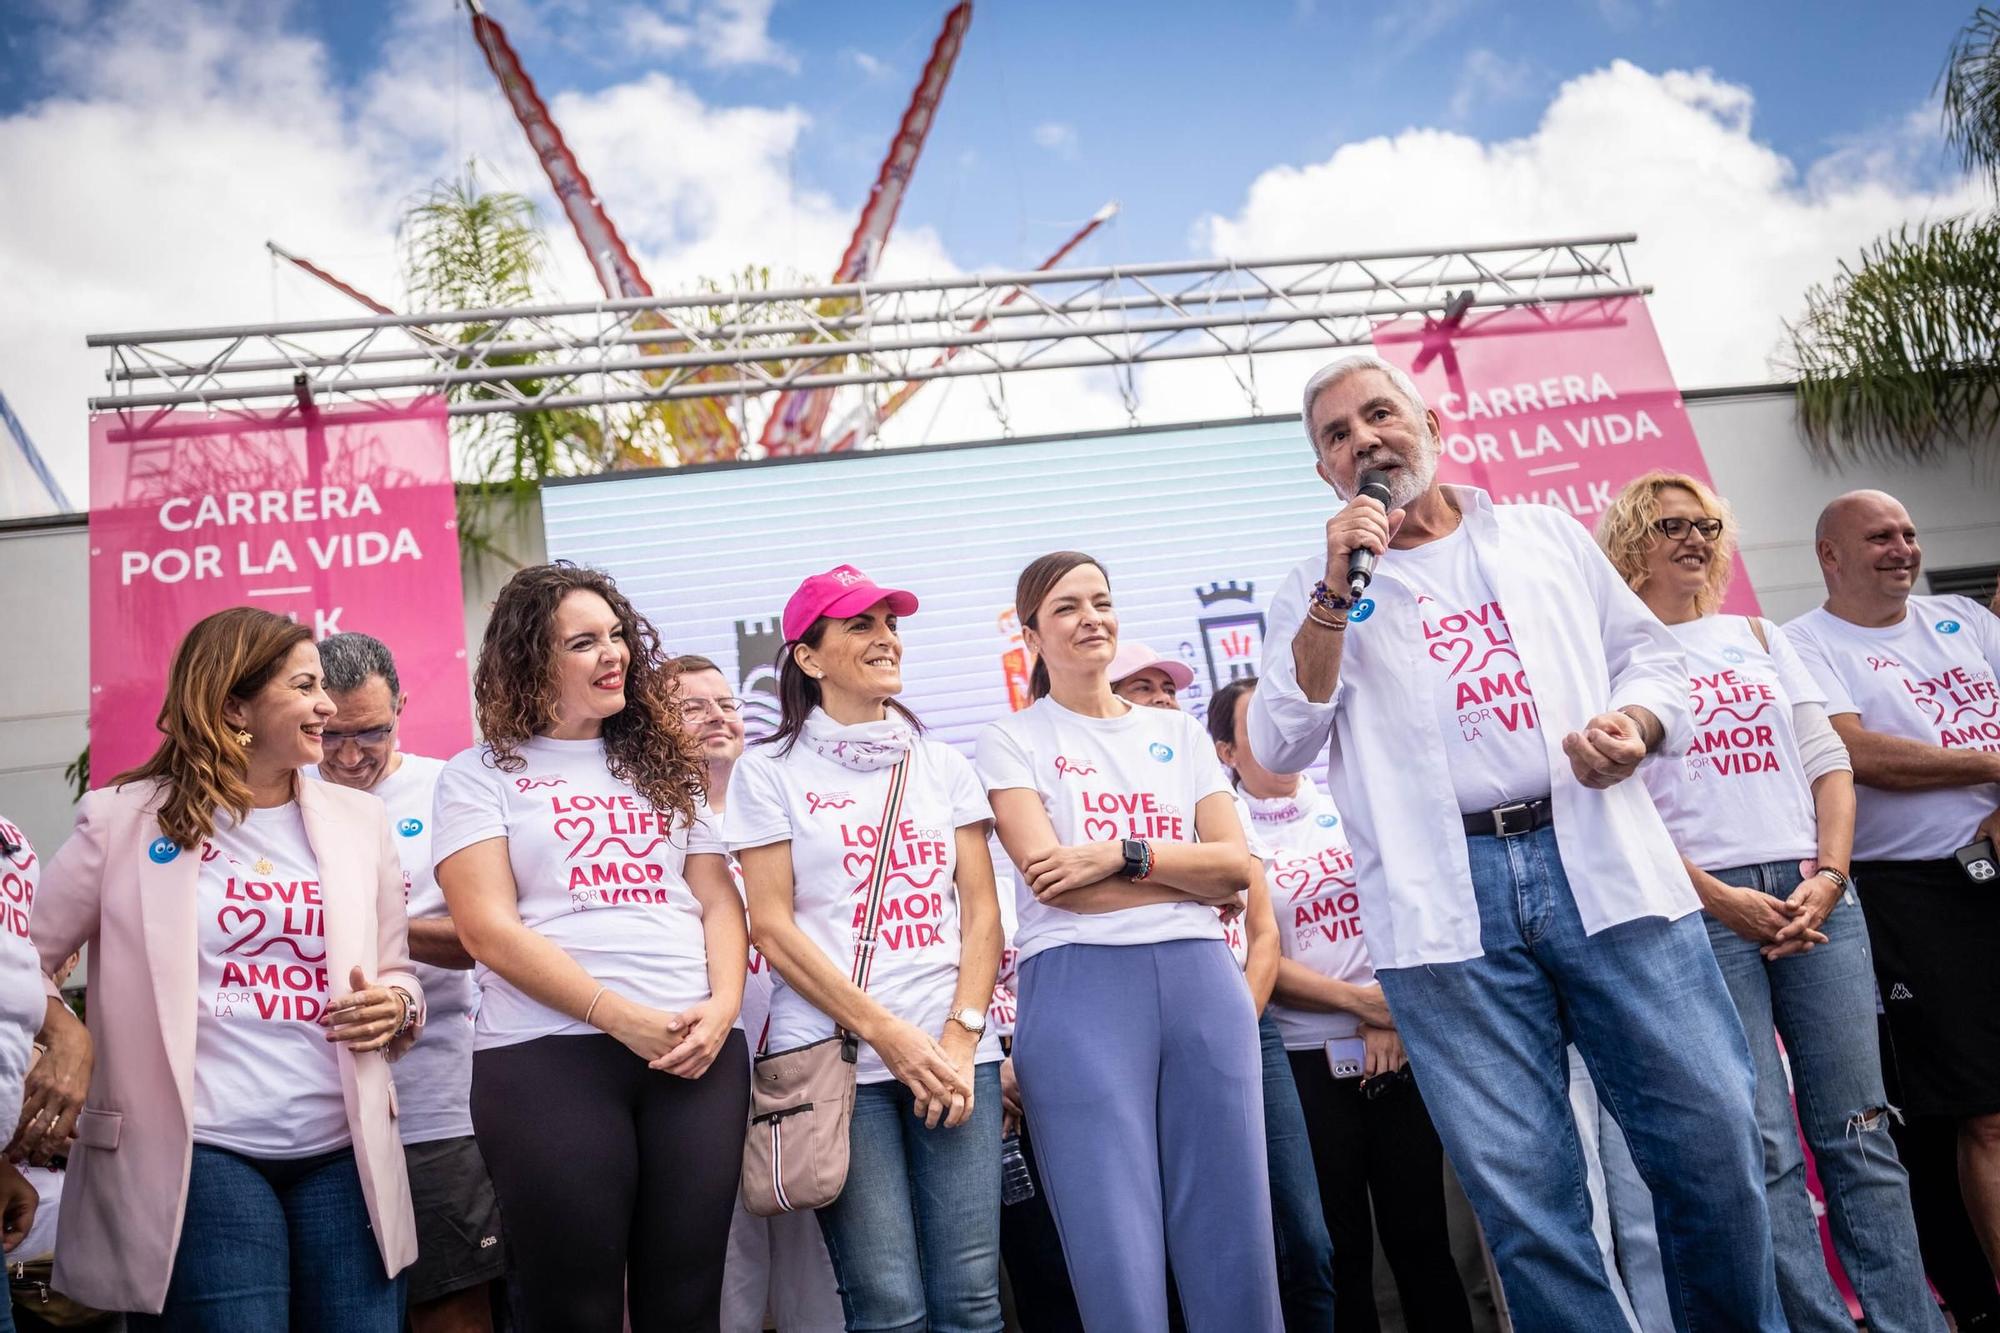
[1964, 707]
[1110, 815]
[1066, 766]
[610, 838]
[832, 800]
[1884, 664]
[1729, 739]
[1482, 668]
[529, 784]
[256, 917]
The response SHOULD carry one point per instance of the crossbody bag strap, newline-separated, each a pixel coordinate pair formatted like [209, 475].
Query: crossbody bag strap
[878, 876]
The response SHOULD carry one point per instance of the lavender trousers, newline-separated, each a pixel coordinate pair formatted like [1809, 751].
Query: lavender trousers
[1141, 1076]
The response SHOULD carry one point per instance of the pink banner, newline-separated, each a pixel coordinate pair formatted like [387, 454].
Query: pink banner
[342, 519]
[1560, 404]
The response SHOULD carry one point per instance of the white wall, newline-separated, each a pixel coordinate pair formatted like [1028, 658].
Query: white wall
[1777, 488]
[1753, 448]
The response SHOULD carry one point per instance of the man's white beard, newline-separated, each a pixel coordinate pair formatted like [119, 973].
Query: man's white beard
[1409, 481]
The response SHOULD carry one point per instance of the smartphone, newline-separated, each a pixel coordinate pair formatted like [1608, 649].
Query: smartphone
[1981, 866]
[1344, 1056]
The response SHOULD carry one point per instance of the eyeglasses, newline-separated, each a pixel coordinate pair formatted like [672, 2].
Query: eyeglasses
[368, 739]
[1673, 529]
[693, 709]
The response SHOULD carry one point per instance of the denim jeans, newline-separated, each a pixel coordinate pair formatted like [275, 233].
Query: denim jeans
[1645, 1003]
[1822, 1004]
[1298, 1225]
[915, 1234]
[276, 1244]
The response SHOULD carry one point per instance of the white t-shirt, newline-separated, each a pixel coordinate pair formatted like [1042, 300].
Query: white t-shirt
[1311, 868]
[596, 870]
[1485, 705]
[1233, 931]
[23, 1003]
[1930, 678]
[1138, 775]
[266, 1079]
[832, 815]
[1000, 1014]
[434, 1077]
[1738, 796]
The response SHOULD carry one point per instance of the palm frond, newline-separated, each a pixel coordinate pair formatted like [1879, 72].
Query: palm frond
[1899, 356]
[1970, 94]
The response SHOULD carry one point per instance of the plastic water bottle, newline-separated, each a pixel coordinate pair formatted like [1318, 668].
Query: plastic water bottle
[1016, 1184]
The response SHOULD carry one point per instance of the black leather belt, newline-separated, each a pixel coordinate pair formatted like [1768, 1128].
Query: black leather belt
[1510, 821]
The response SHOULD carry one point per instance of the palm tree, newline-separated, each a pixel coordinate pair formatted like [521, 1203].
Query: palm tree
[1899, 356]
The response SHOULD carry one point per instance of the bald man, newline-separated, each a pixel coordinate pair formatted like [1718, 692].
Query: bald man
[1911, 688]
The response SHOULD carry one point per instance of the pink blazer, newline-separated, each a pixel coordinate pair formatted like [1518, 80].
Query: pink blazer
[126, 1190]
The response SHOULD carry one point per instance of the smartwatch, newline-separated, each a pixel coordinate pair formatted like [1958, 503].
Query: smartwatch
[1134, 852]
[972, 1020]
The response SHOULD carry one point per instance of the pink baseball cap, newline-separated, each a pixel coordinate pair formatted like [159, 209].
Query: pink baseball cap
[1134, 657]
[841, 591]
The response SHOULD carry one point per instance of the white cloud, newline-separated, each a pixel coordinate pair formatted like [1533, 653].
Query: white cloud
[869, 65]
[738, 32]
[1406, 27]
[649, 33]
[1730, 232]
[1488, 78]
[1057, 137]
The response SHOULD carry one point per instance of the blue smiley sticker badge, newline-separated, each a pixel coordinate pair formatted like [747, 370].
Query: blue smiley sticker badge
[1163, 753]
[410, 827]
[1949, 627]
[162, 850]
[1327, 821]
[1361, 610]
[1732, 655]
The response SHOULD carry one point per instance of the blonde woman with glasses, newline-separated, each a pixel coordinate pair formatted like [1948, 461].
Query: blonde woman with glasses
[1762, 809]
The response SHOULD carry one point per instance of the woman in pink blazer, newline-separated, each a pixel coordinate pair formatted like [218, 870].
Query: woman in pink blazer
[235, 1164]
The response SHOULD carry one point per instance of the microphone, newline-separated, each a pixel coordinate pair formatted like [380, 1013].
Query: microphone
[1361, 560]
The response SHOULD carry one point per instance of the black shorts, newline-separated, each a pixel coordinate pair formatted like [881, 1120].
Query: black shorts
[1935, 936]
[459, 1243]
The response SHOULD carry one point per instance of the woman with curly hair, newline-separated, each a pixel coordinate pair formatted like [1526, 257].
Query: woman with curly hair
[1762, 809]
[236, 1163]
[581, 865]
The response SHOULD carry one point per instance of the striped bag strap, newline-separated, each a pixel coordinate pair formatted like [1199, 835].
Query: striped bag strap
[871, 914]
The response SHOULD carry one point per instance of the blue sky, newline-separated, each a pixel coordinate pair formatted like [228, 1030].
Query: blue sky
[1749, 144]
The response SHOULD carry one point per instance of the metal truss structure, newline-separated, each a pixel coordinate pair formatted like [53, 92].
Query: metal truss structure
[745, 346]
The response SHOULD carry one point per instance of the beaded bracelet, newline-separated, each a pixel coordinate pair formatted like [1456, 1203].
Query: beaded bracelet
[1327, 599]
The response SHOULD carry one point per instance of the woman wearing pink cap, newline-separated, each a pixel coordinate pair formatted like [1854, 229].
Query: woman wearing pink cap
[915, 1233]
[1136, 1042]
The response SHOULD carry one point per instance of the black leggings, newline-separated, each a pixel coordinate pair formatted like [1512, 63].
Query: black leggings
[598, 1160]
[1384, 1151]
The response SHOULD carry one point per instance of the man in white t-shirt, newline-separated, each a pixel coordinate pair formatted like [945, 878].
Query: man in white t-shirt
[460, 1254]
[776, 1266]
[1486, 701]
[1911, 688]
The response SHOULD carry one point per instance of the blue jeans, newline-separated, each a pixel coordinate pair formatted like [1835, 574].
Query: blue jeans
[915, 1234]
[1298, 1225]
[1645, 1004]
[276, 1244]
[1822, 1004]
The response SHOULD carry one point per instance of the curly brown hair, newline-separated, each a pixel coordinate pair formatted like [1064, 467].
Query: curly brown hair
[200, 765]
[515, 688]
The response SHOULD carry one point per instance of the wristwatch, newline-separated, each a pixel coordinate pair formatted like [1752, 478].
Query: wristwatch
[972, 1020]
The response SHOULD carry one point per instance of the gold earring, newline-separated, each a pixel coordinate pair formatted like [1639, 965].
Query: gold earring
[243, 738]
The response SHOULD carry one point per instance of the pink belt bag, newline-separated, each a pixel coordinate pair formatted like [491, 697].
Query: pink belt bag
[802, 1100]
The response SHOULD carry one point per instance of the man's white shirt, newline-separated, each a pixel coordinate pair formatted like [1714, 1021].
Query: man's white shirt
[1587, 645]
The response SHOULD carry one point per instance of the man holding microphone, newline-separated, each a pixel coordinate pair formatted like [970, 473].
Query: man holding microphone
[1486, 696]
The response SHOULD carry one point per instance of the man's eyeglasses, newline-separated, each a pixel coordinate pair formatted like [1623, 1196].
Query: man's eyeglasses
[695, 709]
[1673, 529]
[368, 739]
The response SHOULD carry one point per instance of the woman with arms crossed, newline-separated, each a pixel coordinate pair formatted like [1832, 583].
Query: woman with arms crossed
[915, 1232]
[236, 1164]
[1762, 809]
[1136, 1043]
[609, 1087]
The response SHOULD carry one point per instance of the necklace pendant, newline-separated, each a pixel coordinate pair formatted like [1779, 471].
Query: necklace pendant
[263, 866]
